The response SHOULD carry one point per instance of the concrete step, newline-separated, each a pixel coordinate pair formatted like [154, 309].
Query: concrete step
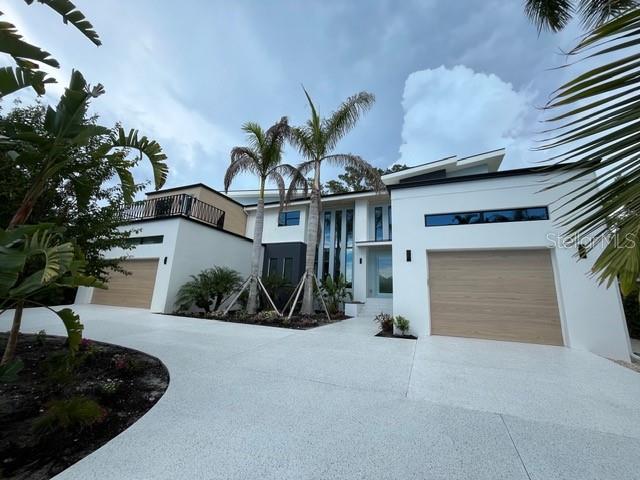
[373, 306]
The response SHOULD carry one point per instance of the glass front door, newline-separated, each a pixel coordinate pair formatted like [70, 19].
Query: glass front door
[383, 274]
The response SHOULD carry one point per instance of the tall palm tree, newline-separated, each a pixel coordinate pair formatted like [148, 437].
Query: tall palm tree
[315, 141]
[554, 15]
[262, 157]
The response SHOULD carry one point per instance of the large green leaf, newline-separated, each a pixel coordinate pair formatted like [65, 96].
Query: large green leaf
[70, 14]
[11, 43]
[596, 134]
[149, 148]
[74, 328]
[14, 79]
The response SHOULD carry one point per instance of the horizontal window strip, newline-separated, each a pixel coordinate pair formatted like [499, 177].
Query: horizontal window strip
[527, 214]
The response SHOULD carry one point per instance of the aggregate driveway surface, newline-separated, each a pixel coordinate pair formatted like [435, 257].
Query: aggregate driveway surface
[336, 402]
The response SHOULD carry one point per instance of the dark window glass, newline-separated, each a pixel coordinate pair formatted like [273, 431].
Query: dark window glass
[348, 254]
[327, 229]
[349, 226]
[337, 254]
[286, 219]
[389, 216]
[378, 224]
[287, 269]
[488, 216]
[145, 240]
[273, 266]
[325, 263]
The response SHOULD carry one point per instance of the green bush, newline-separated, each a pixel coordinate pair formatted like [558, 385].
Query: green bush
[401, 324]
[334, 292]
[9, 371]
[385, 321]
[208, 288]
[75, 413]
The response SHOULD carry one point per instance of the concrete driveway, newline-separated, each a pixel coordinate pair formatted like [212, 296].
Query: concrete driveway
[335, 402]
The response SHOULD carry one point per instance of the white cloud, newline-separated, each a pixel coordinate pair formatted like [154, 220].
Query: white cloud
[457, 111]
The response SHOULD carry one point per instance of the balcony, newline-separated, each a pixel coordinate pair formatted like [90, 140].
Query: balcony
[181, 205]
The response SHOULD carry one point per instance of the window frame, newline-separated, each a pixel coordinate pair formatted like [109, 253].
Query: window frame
[285, 221]
[482, 219]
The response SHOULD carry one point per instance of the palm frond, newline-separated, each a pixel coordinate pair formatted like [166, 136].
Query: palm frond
[70, 14]
[597, 12]
[358, 164]
[243, 159]
[340, 122]
[598, 131]
[301, 138]
[149, 148]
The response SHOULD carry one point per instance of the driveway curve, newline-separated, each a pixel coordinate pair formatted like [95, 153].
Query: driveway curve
[336, 402]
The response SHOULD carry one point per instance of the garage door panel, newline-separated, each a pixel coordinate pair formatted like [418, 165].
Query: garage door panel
[499, 295]
[135, 290]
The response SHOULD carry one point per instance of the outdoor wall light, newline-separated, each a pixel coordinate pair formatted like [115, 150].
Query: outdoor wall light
[165, 260]
[360, 261]
[408, 255]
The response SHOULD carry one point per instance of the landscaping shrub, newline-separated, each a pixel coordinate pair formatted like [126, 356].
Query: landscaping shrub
[75, 413]
[208, 288]
[385, 321]
[401, 324]
[335, 293]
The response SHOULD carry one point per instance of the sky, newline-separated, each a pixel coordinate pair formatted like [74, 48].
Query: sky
[450, 78]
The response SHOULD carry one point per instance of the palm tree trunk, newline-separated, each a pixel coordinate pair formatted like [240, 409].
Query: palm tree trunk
[312, 242]
[252, 303]
[12, 341]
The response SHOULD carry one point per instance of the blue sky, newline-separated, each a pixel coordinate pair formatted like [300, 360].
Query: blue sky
[457, 77]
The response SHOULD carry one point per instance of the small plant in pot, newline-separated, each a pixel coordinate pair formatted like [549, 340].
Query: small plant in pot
[402, 324]
[385, 321]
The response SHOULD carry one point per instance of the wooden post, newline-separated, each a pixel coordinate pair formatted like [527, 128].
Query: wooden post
[324, 305]
[235, 299]
[268, 296]
[293, 306]
[293, 294]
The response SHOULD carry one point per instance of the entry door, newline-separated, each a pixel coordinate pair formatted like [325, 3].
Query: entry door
[383, 278]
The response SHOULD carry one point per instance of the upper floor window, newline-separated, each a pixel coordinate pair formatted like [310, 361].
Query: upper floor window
[145, 240]
[378, 232]
[286, 219]
[487, 216]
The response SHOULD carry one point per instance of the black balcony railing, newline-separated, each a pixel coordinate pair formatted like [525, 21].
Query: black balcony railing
[181, 205]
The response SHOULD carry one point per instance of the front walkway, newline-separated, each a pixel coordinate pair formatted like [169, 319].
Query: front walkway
[335, 402]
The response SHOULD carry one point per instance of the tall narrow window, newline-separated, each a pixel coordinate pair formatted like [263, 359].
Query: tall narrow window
[272, 267]
[348, 254]
[326, 244]
[287, 269]
[378, 233]
[389, 216]
[337, 241]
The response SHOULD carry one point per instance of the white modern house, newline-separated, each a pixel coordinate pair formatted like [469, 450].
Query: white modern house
[457, 246]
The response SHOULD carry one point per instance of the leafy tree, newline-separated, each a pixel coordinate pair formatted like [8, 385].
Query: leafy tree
[93, 225]
[262, 157]
[209, 287]
[554, 15]
[597, 134]
[315, 141]
[354, 180]
[28, 57]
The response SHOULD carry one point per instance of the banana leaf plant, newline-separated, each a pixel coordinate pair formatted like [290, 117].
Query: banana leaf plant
[28, 57]
[34, 259]
[65, 127]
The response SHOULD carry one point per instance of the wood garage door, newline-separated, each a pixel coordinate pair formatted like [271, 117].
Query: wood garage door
[133, 290]
[498, 295]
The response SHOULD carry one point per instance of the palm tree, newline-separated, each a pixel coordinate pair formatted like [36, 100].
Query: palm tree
[554, 15]
[262, 157]
[209, 287]
[315, 141]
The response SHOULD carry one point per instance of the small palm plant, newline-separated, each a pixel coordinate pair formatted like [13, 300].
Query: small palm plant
[315, 141]
[207, 288]
[335, 292]
[262, 157]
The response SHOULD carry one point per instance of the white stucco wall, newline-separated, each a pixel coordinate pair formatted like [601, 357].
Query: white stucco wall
[592, 315]
[271, 232]
[188, 247]
[169, 230]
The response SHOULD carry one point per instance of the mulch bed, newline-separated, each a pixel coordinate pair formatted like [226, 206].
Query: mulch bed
[125, 383]
[391, 335]
[297, 322]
